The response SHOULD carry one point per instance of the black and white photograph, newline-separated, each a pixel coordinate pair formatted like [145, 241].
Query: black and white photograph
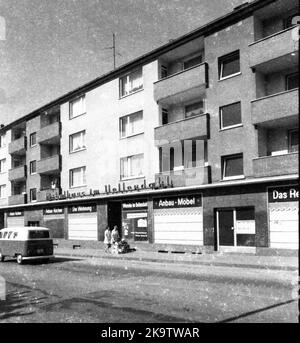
[149, 154]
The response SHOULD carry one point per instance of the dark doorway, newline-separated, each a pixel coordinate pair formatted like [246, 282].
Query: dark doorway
[226, 227]
[1, 221]
[114, 209]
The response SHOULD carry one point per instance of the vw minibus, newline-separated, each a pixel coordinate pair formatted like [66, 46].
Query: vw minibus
[26, 243]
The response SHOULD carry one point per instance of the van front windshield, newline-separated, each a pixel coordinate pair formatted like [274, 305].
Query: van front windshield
[34, 234]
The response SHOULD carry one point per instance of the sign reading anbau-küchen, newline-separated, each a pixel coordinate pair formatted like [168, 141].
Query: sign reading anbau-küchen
[176, 202]
[283, 194]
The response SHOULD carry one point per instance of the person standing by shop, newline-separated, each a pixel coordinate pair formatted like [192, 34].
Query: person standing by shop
[107, 238]
[115, 236]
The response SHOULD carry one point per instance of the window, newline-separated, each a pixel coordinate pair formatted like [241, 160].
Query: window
[32, 139]
[132, 166]
[77, 141]
[291, 21]
[163, 71]
[33, 194]
[192, 62]
[77, 107]
[232, 166]
[3, 165]
[37, 234]
[292, 81]
[194, 109]
[230, 115]
[2, 191]
[293, 140]
[2, 141]
[131, 82]
[164, 116]
[131, 124]
[229, 65]
[77, 177]
[32, 167]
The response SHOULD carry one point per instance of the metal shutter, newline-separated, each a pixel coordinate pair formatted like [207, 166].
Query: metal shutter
[83, 226]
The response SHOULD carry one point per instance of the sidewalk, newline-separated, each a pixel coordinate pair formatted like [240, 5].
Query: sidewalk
[213, 259]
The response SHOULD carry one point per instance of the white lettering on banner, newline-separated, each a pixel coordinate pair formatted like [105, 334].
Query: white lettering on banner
[184, 202]
[279, 195]
[134, 205]
[166, 203]
[294, 194]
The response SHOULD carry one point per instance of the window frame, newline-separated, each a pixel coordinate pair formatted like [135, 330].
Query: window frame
[31, 192]
[191, 104]
[290, 132]
[71, 177]
[122, 177]
[71, 102]
[2, 141]
[287, 80]
[4, 164]
[128, 123]
[190, 58]
[126, 76]
[31, 164]
[33, 134]
[3, 196]
[83, 132]
[224, 159]
[221, 61]
[221, 117]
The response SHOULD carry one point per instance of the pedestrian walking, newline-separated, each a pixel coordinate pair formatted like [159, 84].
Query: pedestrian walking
[107, 238]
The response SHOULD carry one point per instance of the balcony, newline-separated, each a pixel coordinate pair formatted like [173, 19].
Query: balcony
[17, 199]
[18, 146]
[50, 165]
[186, 177]
[46, 194]
[274, 107]
[17, 174]
[276, 165]
[272, 47]
[183, 86]
[49, 134]
[193, 127]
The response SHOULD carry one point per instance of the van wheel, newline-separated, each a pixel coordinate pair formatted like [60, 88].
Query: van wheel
[1, 257]
[19, 259]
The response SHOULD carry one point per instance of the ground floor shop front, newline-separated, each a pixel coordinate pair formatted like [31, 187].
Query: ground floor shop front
[243, 218]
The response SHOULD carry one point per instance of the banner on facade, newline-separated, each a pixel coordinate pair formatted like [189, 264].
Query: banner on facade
[82, 209]
[283, 194]
[15, 213]
[53, 210]
[178, 202]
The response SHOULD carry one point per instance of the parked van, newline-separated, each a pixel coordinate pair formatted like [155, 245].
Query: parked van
[26, 243]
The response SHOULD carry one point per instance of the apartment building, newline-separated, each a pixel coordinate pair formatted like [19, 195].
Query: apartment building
[192, 146]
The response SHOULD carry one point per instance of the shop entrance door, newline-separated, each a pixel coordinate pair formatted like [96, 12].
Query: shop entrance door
[226, 227]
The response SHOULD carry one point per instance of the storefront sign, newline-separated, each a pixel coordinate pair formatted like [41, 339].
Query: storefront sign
[135, 205]
[82, 209]
[283, 194]
[178, 202]
[53, 210]
[15, 214]
[245, 227]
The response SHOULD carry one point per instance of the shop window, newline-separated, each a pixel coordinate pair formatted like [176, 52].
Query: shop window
[77, 107]
[292, 81]
[131, 82]
[33, 194]
[132, 166]
[232, 167]
[194, 109]
[77, 141]
[229, 65]
[32, 139]
[293, 140]
[131, 124]
[230, 116]
[78, 177]
[33, 167]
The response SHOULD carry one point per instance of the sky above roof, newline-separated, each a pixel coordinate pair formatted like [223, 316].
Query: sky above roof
[48, 48]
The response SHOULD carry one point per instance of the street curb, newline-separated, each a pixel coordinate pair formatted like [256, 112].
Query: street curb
[205, 263]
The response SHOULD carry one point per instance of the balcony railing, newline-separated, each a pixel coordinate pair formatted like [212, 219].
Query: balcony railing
[49, 165]
[17, 199]
[276, 165]
[276, 106]
[18, 146]
[182, 86]
[46, 194]
[272, 47]
[18, 173]
[186, 177]
[197, 126]
[49, 133]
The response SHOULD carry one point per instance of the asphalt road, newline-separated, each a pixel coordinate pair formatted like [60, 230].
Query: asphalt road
[114, 291]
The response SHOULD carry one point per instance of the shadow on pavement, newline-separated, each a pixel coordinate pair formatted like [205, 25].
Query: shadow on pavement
[13, 306]
[41, 261]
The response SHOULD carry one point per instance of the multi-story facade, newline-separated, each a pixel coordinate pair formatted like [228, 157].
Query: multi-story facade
[193, 145]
